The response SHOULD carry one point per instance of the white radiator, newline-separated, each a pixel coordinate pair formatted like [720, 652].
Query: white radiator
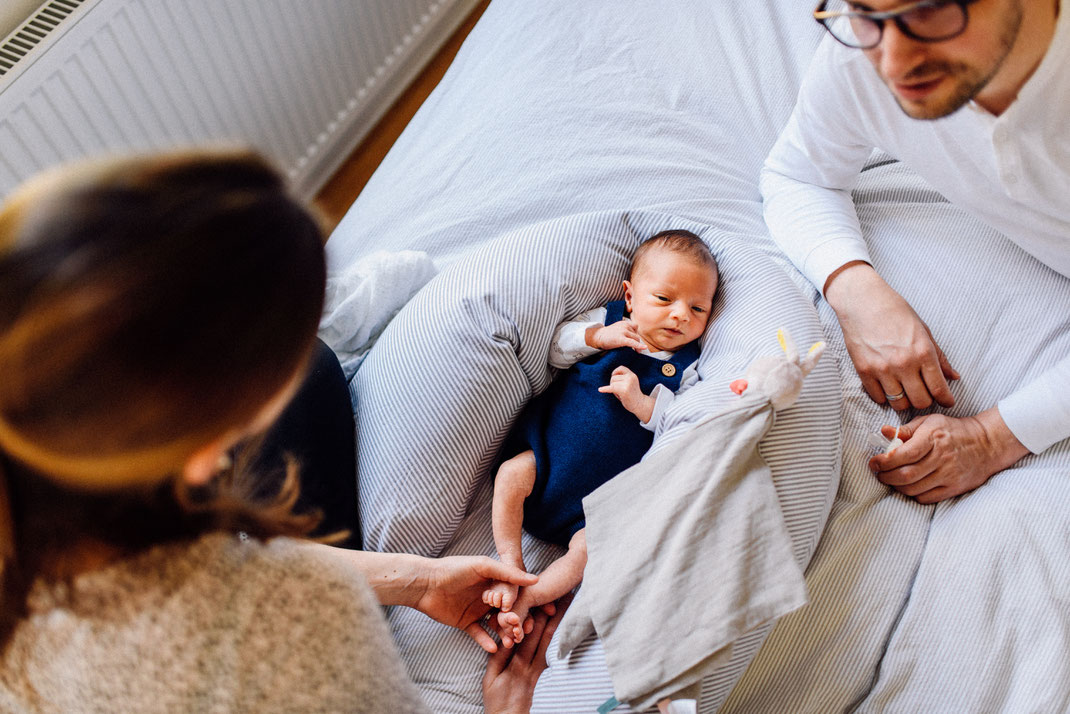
[301, 80]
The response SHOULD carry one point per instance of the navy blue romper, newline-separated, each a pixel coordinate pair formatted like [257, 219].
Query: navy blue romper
[582, 437]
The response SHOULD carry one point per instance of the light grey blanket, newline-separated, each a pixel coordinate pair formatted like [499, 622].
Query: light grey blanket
[687, 551]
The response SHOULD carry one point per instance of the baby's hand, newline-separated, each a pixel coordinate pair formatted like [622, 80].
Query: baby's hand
[624, 385]
[622, 333]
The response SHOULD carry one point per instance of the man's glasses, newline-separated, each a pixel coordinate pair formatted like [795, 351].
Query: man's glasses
[926, 21]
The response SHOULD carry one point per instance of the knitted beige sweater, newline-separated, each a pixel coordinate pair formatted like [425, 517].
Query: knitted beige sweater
[218, 625]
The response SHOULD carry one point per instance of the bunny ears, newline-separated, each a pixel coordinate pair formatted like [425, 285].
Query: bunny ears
[792, 353]
[780, 379]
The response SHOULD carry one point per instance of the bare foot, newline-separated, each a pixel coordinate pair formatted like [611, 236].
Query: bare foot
[500, 595]
[514, 624]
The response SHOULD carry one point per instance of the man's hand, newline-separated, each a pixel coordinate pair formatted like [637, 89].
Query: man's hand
[624, 385]
[892, 349]
[509, 682]
[622, 333]
[943, 457]
[451, 591]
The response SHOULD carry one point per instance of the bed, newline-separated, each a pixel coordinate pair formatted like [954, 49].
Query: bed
[563, 134]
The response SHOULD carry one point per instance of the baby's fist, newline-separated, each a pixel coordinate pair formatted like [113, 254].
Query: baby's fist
[622, 333]
[624, 385]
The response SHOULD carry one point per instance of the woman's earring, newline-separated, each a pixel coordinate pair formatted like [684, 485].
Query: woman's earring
[224, 463]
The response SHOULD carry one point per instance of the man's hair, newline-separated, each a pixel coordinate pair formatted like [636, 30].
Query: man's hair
[678, 241]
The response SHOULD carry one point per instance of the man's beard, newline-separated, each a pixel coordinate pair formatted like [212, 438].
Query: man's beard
[969, 80]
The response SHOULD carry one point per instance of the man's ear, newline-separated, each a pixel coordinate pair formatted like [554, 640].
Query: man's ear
[627, 296]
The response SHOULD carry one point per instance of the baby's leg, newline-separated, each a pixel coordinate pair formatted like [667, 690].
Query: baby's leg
[559, 578]
[513, 484]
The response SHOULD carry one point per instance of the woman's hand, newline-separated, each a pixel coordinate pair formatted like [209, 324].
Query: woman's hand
[449, 590]
[893, 351]
[452, 592]
[509, 682]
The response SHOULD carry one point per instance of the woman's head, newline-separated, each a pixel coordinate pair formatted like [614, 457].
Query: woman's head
[152, 311]
[148, 308]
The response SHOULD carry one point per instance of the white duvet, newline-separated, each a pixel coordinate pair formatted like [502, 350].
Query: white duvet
[560, 107]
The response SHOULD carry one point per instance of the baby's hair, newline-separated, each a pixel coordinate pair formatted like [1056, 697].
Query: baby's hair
[679, 241]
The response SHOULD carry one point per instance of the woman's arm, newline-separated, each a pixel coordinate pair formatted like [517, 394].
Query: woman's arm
[448, 589]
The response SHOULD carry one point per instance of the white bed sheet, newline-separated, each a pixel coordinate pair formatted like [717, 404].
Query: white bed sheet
[558, 107]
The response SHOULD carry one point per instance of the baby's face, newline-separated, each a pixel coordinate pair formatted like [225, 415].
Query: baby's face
[670, 299]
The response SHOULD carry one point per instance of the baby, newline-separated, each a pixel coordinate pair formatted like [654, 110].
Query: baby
[571, 439]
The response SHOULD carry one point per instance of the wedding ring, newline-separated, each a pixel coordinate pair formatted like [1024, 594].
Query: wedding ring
[893, 397]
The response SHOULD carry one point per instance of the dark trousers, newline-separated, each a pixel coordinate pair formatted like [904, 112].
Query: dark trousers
[317, 430]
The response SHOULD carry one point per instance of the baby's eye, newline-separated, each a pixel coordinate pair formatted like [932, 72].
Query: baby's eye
[662, 298]
[698, 309]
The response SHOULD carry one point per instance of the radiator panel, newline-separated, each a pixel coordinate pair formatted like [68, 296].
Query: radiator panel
[300, 81]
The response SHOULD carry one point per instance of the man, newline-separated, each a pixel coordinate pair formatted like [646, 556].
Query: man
[973, 95]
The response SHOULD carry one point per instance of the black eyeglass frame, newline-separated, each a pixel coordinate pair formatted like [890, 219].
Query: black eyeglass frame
[823, 17]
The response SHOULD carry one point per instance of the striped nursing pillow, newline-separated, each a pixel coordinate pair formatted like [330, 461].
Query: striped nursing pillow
[439, 391]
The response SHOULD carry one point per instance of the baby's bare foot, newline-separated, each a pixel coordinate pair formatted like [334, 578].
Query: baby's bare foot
[514, 624]
[500, 595]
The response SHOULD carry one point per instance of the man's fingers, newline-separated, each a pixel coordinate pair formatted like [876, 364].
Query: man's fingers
[917, 393]
[527, 649]
[873, 389]
[497, 663]
[927, 483]
[940, 493]
[913, 451]
[907, 430]
[945, 365]
[889, 388]
[904, 476]
[547, 635]
[936, 383]
[889, 431]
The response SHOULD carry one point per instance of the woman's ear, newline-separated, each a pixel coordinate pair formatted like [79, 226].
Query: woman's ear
[627, 296]
[206, 462]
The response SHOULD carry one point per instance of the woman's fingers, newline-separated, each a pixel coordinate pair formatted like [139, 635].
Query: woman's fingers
[496, 570]
[477, 633]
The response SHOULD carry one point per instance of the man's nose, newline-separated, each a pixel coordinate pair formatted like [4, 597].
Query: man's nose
[897, 53]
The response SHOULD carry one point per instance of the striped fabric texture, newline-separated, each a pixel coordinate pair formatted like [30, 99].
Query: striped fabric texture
[958, 606]
[473, 347]
[563, 133]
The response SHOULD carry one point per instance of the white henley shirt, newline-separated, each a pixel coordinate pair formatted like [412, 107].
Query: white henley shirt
[1011, 171]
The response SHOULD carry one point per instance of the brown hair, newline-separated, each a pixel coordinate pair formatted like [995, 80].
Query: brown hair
[676, 240]
[148, 306]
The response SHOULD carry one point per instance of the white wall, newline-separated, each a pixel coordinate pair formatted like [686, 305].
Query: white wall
[14, 12]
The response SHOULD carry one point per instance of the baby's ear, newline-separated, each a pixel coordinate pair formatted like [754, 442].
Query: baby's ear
[627, 295]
